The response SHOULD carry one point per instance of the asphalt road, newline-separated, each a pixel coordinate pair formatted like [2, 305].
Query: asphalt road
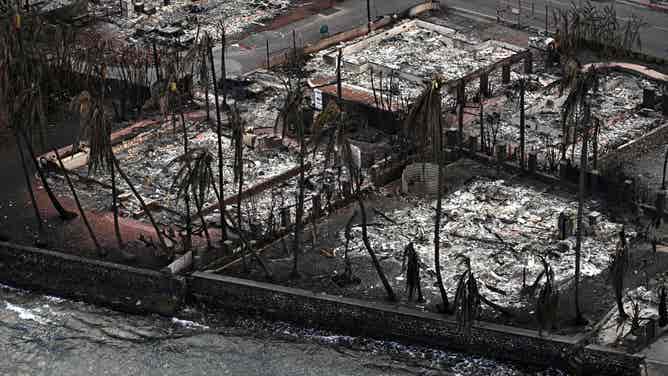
[654, 35]
[250, 53]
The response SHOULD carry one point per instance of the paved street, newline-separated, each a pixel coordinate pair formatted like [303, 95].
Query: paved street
[250, 53]
[654, 36]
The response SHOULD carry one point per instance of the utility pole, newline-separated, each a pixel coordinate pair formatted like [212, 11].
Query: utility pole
[522, 83]
[339, 93]
[223, 68]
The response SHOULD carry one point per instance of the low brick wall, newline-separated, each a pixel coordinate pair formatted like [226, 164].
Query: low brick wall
[387, 321]
[117, 286]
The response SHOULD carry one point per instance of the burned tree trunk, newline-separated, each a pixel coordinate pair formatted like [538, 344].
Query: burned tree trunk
[91, 233]
[522, 125]
[579, 318]
[143, 205]
[26, 174]
[114, 205]
[365, 238]
[219, 131]
[62, 212]
[189, 234]
[439, 211]
[618, 269]
[300, 197]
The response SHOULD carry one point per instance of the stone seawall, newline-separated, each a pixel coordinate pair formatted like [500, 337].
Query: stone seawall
[117, 286]
[387, 321]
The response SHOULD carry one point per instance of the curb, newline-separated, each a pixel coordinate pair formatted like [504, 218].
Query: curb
[646, 4]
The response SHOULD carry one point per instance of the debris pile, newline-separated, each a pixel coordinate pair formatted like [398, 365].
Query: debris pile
[503, 227]
[151, 166]
[616, 103]
[181, 19]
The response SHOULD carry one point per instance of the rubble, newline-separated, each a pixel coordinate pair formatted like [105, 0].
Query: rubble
[183, 18]
[616, 104]
[503, 227]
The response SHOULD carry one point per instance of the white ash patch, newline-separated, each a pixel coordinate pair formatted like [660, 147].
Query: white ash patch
[502, 227]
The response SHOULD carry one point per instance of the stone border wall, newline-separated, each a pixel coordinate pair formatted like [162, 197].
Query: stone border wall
[387, 321]
[121, 287]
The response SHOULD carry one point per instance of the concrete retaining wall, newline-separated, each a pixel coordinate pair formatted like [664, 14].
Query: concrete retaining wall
[120, 287]
[387, 321]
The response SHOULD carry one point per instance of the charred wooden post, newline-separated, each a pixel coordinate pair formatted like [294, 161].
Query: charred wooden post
[461, 101]
[346, 188]
[316, 206]
[501, 152]
[285, 217]
[563, 169]
[528, 64]
[339, 93]
[566, 224]
[473, 144]
[522, 125]
[648, 98]
[505, 74]
[533, 162]
[594, 181]
[484, 84]
[156, 63]
[451, 137]
[660, 203]
[628, 191]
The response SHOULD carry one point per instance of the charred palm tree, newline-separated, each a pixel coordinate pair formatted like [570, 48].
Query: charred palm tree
[576, 111]
[665, 167]
[343, 145]
[299, 214]
[24, 72]
[143, 205]
[237, 124]
[95, 126]
[424, 124]
[618, 267]
[32, 129]
[195, 178]
[82, 213]
[219, 134]
[547, 303]
[467, 298]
